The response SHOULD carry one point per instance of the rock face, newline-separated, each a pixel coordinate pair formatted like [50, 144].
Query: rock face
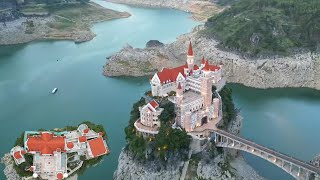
[208, 164]
[201, 9]
[300, 70]
[129, 168]
[316, 161]
[154, 43]
[9, 171]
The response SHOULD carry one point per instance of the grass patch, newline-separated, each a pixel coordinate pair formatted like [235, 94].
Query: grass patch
[61, 24]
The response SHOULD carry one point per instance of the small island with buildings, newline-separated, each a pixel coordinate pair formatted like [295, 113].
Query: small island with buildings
[58, 153]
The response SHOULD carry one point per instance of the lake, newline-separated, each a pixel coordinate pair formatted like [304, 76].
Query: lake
[284, 119]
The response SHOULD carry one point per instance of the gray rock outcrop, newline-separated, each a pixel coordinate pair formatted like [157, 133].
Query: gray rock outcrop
[299, 70]
[9, 170]
[130, 168]
[208, 164]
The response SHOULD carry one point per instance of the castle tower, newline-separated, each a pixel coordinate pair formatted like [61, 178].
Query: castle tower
[190, 60]
[179, 94]
[216, 105]
[187, 121]
[206, 86]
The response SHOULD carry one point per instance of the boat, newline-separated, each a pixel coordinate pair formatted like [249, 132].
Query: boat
[54, 90]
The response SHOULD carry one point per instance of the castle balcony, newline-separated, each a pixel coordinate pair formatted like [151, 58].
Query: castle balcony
[145, 129]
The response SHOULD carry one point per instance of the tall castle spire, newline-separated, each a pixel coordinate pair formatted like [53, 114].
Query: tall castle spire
[190, 50]
[190, 60]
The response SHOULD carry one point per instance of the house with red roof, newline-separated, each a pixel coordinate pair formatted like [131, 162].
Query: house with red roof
[18, 153]
[149, 122]
[52, 150]
[167, 80]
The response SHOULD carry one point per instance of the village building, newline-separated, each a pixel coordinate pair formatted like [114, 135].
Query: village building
[51, 150]
[148, 124]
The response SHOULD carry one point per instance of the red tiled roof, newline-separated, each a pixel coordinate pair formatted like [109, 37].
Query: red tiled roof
[46, 143]
[190, 51]
[82, 139]
[97, 147]
[154, 104]
[195, 67]
[17, 155]
[86, 130]
[23, 152]
[209, 67]
[179, 86]
[70, 145]
[59, 176]
[171, 74]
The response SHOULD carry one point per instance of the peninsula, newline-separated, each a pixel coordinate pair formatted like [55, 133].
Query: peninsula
[262, 58]
[201, 9]
[25, 21]
[185, 121]
[56, 154]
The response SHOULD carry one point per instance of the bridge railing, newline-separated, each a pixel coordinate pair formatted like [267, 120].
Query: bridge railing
[263, 147]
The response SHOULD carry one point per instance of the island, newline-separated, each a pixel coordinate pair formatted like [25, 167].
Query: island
[187, 127]
[24, 21]
[57, 153]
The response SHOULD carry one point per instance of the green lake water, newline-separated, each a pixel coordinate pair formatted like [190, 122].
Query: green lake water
[285, 119]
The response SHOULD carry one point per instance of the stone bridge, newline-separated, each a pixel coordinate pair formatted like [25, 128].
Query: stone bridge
[296, 168]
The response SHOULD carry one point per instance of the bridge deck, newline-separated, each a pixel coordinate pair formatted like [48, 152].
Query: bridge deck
[304, 165]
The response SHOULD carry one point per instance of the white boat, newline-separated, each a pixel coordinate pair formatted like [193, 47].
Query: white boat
[54, 90]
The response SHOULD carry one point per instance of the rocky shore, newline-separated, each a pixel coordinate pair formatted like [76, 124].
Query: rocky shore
[208, 164]
[299, 70]
[56, 26]
[9, 171]
[200, 9]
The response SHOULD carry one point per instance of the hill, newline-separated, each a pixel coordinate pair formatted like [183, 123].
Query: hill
[267, 26]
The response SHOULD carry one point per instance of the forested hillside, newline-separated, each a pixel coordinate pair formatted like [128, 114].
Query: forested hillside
[268, 26]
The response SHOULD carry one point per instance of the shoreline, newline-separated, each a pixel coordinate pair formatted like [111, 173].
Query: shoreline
[200, 10]
[52, 27]
[299, 70]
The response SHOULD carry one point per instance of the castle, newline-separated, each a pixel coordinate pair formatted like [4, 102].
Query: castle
[197, 103]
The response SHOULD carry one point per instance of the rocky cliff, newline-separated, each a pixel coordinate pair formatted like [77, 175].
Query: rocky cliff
[201, 9]
[208, 164]
[299, 70]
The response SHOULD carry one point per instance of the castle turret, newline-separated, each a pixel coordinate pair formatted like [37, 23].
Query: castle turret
[202, 63]
[179, 95]
[206, 89]
[190, 60]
